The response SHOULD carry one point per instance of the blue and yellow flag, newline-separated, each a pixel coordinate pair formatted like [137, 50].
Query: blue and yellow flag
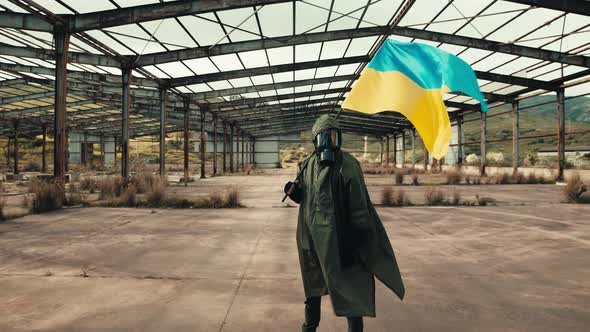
[411, 78]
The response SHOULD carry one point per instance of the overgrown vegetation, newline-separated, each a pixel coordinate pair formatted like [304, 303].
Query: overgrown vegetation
[46, 196]
[433, 196]
[2, 206]
[574, 190]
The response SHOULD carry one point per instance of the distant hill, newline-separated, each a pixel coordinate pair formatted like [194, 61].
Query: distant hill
[577, 109]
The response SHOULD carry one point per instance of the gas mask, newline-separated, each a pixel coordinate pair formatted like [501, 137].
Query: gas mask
[326, 143]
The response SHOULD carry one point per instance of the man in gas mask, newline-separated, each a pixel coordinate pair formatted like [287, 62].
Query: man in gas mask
[341, 241]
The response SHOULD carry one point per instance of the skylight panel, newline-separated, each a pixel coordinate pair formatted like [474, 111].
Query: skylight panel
[334, 49]
[277, 20]
[379, 13]
[305, 74]
[267, 93]
[348, 69]
[203, 29]
[242, 18]
[319, 87]
[422, 12]
[339, 22]
[283, 77]
[280, 55]
[169, 31]
[90, 6]
[175, 69]
[240, 82]
[310, 17]
[307, 52]
[227, 62]
[262, 79]
[302, 88]
[253, 59]
[360, 46]
[201, 66]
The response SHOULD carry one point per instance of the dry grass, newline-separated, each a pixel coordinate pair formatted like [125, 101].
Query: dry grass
[574, 189]
[129, 196]
[401, 199]
[46, 196]
[399, 177]
[484, 201]
[144, 181]
[157, 194]
[74, 197]
[110, 187]
[455, 198]
[232, 198]
[387, 196]
[415, 179]
[453, 176]
[2, 206]
[88, 184]
[434, 196]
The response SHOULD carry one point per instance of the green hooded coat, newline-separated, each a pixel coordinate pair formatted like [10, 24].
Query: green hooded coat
[341, 241]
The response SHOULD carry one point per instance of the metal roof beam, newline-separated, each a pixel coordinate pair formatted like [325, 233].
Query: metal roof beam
[16, 20]
[157, 11]
[270, 86]
[258, 44]
[188, 80]
[48, 54]
[489, 45]
[235, 114]
[571, 6]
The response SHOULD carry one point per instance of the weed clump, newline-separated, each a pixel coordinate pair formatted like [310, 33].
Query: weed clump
[46, 196]
[401, 199]
[232, 198]
[110, 187]
[415, 180]
[399, 177]
[453, 177]
[574, 189]
[89, 184]
[2, 206]
[387, 196]
[434, 196]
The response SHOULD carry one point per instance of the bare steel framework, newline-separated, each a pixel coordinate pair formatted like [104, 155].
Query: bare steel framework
[57, 75]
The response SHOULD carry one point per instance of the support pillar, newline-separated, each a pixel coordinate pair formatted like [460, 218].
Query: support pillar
[381, 150]
[459, 141]
[44, 149]
[62, 42]
[163, 101]
[214, 145]
[387, 150]
[186, 141]
[126, 101]
[426, 156]
[413, 132]
[515, 137]
[243, 150]
[560, 134]
[224, 162]
[16, 147]
[403, 149]
[237, 150]
[8, 153]
[483, 147]
[253, 152]
[203, 140]
[231, 148]
[394, 151]
[67, 162]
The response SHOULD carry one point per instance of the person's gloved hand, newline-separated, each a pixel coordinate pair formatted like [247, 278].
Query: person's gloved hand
[294, 191]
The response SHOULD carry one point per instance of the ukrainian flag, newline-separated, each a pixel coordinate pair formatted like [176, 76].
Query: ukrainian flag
[411, 78]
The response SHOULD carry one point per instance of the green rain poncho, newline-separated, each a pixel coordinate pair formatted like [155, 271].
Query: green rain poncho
[341, 241]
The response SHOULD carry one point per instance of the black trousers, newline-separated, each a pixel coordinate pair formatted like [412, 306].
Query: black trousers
[313, 309]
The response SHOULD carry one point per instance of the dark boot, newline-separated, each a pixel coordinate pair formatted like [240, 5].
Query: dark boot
[313, 306]
[355, 324]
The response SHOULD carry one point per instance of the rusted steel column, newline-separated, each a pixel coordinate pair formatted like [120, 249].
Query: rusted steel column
[224, 162]
[231, 148]
[394, 151]
[237, 150]
[387, 150]
[163, 101]
[426, 156]
[243, 150]
[380, 149]
[413, 132]
[44, 149]
[459, 141]
[483, 146]
[8, 153]
[214, 145]
[253, 151]
[560, 134]
[62, 42]
[83, 150]
[15, 147]
[403, 149]
[515, 136]
[203, 142]
[185, 141]
[126, 100]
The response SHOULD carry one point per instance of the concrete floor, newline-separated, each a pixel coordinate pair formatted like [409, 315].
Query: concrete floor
[521, 266]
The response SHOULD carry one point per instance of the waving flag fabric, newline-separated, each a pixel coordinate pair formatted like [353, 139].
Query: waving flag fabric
[411, 78]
